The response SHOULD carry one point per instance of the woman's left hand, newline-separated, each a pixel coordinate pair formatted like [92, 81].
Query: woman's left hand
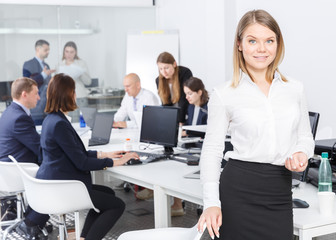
[297, 163]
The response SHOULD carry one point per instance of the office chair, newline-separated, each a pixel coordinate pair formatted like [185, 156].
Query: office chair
[56, 197]
[163, 234]
[314, 120]
[11, 183]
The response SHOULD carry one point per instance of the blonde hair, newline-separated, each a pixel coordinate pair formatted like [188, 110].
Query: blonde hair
[163, 89]
[263, 18]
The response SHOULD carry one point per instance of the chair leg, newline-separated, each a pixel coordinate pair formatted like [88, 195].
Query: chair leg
[9, 229]
[63, 234]
[65, 228]
[77, 226]
[23, 204]
[14, 223]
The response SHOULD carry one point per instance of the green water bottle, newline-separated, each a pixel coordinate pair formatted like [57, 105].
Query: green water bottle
[324, 184]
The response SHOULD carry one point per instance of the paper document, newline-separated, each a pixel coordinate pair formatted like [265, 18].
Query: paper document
[72, 70]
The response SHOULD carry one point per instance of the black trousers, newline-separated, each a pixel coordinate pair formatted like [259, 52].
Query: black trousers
[256, 202]
[97, 225]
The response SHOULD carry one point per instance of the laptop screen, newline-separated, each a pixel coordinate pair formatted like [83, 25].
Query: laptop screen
[102, 126]
[89, 115]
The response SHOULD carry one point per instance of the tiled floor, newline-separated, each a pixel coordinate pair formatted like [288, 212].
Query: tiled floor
[139, 215]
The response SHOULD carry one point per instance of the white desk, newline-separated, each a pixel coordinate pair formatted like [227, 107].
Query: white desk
[308, 222]
[166, 179]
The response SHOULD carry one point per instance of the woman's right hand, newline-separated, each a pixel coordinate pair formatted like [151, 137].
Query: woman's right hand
[125, 158]
[212, 217]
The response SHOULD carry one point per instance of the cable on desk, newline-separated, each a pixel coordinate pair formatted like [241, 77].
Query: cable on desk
[332, 151]
[147, 146]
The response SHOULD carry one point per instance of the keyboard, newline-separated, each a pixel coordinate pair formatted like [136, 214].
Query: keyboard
[190, 159]
[147, 157]
[190, 139]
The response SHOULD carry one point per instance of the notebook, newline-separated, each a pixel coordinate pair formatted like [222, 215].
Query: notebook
[101, 130]
[89, 115]
[193, 175]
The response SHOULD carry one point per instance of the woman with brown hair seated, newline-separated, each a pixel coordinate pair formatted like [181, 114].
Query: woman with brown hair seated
[65, 158]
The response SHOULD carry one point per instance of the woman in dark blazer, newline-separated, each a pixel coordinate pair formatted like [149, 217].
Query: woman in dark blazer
[170, 83]
[198, 99]
[65, 157]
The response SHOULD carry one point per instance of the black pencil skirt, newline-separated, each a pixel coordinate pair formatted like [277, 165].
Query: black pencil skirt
[256, 201]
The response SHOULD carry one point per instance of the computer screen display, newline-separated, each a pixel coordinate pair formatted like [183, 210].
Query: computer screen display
[159, 125]
[94, 83]
[5, 91]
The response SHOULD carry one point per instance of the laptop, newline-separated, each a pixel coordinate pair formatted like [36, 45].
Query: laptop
[89, 115]
[101, 130]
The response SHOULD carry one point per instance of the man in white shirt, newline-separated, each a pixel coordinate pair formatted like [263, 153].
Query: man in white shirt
[133, 101]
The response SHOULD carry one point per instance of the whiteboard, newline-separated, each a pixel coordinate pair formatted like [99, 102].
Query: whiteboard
[143, 48]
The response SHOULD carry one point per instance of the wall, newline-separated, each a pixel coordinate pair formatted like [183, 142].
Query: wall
[207, 29]
[206, 37]
[202, 47]
[104, 52]
[308, 30]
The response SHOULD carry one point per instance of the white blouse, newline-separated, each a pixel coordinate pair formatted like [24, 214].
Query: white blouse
[265, 129]
[78, 70]
[126, 110]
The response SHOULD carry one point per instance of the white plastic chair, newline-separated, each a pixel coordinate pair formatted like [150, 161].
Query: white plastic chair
[56, 197]
[174, 233]
[11, 184]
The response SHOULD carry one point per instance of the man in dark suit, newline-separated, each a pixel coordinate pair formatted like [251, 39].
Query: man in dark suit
[38, 70]
[18, 136]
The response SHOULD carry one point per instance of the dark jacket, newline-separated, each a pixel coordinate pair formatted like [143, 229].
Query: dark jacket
[64, 155]
[18, 136]
[184, 75]
[32, 69]
[202, 116]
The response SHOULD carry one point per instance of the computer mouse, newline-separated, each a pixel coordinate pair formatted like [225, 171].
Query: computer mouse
[133, 161]
[295, 183]
[142, 158]
[298, 203]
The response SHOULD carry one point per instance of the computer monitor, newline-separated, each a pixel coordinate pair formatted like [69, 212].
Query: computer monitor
[5, 91]
[159, 125]
[94, 83]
